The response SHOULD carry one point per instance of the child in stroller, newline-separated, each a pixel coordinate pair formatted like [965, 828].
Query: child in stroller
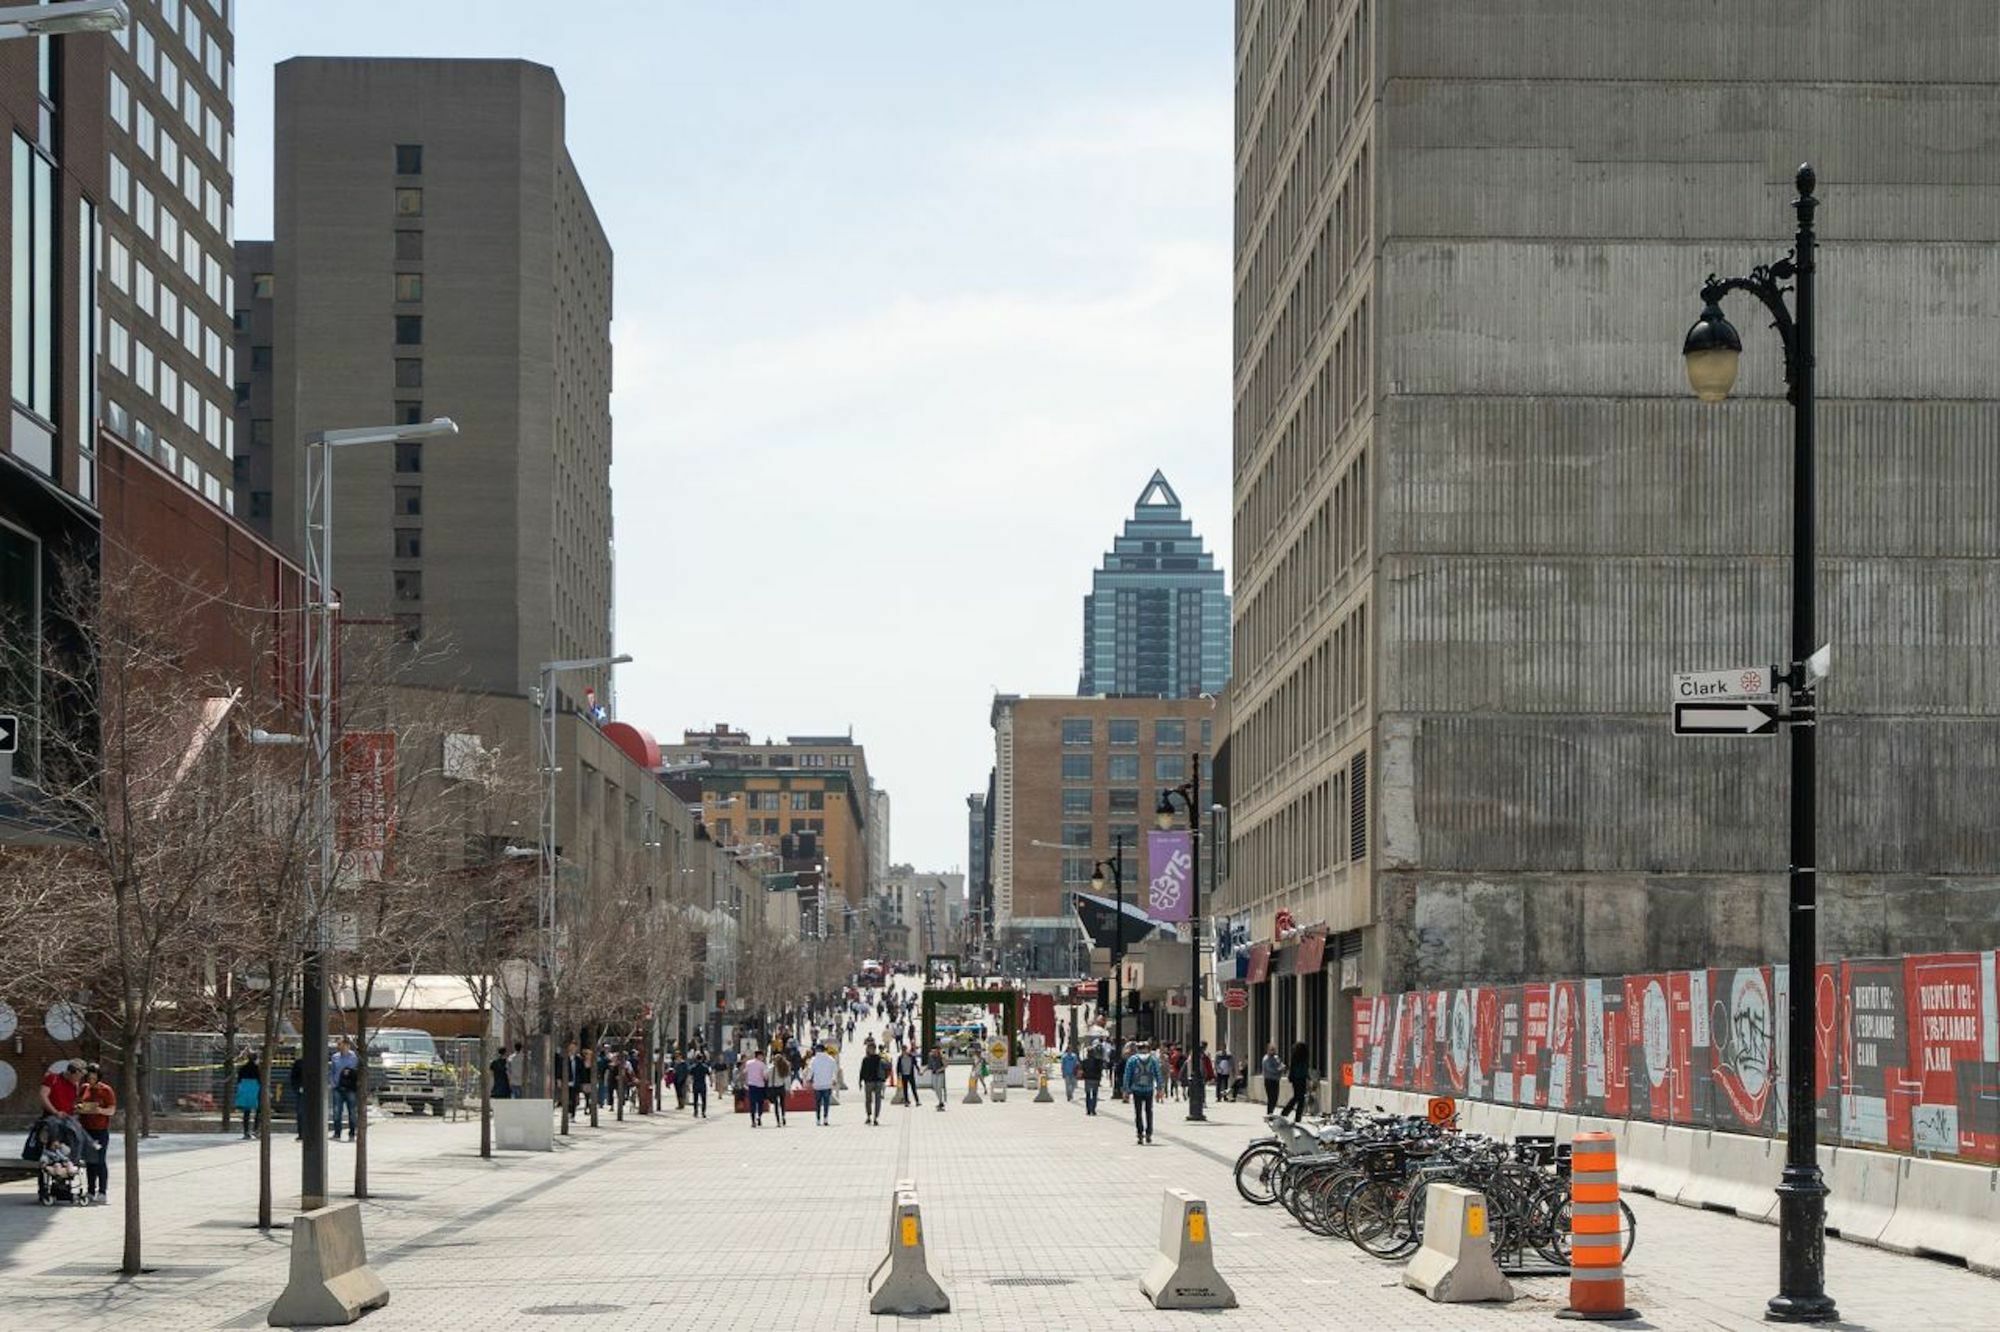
[61, 1173]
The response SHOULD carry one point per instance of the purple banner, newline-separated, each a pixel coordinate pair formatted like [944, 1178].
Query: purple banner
[1169, 876]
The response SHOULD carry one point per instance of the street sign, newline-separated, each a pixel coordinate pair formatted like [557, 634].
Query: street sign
[1745, 683]
[1731, 719]
[10, 733]
[1235, 995]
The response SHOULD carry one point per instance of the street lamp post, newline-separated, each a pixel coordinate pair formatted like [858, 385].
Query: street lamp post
[1189, 794]
[542, 1065]
[1711, 350]
[1117, 864]
[319, 652]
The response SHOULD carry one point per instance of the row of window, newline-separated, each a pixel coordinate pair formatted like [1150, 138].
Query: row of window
[124, 424]
[773, 800]
[1080, 835]
[182, 21]
[1320, 562]
[1168, 732]
[1123, 768]
[156, 376]
[1311, 707]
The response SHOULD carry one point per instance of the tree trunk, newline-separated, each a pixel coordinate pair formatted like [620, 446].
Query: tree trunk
[131, 1088]
[228, 1059]
[485, 1084]
[273, 997]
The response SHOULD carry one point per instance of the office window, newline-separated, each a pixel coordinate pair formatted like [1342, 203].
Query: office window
[170, 387]
[409, 330]
[121, 265]
[409, 413]
[260, 504]
[1122, 768]
[1207, 733]
[409, 501]
[36, 206]
[191, 330]
[211, 280]
[121, 104]
[211, 424]
[142, 286]
[191, 30]
[1076, 731]
[145, 51]
[1124, 802]
[409, 373]
[1124, 730]
[121, 184]
[211, 487]
[118, 343]
[1077, 869]
[409, 159]
[170, 234]
[262, 285]
[170, 158]
[191, 107]
[409, 543]
[1169, 733]
[1127, 831]
[408, 584]
[211, 208]
[409, 203]
[409, 245]
[260, 359]
[191, 406]
[1170, 768]
[142, 208]
[212, 134]
[409, 286]
[260, 432]
[1076, 834]
[1078, 801]
[142, 364]
[410, 456]
[1076, 768]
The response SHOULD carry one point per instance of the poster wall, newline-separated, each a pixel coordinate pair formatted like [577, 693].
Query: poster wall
[1908, 1050]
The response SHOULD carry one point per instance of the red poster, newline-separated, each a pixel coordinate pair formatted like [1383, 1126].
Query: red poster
[1457, 1041]
[1563, 1046]
[1617, 1054]
[1485, 1041]
[1942, 994]
[367, 813]
[1530, 1083]
[1742, 1032]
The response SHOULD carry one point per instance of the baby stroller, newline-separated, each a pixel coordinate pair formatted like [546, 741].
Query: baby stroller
[59, 1144]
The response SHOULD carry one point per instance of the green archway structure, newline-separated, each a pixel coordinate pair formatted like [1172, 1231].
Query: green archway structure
[1008, 1001]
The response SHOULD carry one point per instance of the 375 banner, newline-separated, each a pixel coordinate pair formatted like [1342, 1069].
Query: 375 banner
[1169, 876]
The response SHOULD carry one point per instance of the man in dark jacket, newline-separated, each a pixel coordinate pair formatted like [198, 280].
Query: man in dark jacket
[697, 1076]
[874, 1072]
[1092, 1069]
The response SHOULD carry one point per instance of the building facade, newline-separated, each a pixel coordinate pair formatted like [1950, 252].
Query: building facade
[256, 386]
[921, 909]
[1156, 620]
[437, 255]
[1074, 778]
[1479, 518]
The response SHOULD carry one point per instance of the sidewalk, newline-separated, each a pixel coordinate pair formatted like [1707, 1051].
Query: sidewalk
[1035, 1216]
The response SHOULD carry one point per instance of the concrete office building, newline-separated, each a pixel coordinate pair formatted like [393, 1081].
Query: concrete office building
[918, 910]
[256, 408]
[437, 255]
[1156, 620]
[1480, 519]
[1072, 775]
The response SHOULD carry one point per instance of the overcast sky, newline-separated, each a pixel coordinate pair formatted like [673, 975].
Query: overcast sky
[911, 300]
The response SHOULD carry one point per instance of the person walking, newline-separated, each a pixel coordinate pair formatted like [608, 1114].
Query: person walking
[1142, 1076]
[934, 1062]
[503, 1084]
[1300, 1074]
[575, 1076]
[781, 1085]
[517, 1060]
[1273, 1070]
[906, 1077]
[249, 1091]
[1225, 1069]
[95, 1104]
[295, 1086]
[344, 1076]
[823, 1070]
[698, 1085]
[1069, 1068]
[756, 1079]
[874, 1072]
[1093, 1074]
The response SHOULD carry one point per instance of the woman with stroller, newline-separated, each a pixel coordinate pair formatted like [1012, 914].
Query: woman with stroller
[94, 1107]
[249, 1091]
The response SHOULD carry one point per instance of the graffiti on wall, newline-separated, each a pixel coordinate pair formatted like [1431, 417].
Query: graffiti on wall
[1907, 1051]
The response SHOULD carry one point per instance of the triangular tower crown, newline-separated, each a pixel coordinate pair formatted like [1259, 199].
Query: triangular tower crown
[1158, 485]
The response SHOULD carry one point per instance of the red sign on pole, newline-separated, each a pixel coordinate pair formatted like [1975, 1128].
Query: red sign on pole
[1235, 995]
[367, 801]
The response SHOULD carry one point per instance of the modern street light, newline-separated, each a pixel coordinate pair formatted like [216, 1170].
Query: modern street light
[319, 653]
[1712, 349]
[543, 1064]
[68, 16]
[1189, 794]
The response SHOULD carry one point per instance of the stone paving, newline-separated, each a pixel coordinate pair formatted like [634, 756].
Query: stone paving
[1035, 1216]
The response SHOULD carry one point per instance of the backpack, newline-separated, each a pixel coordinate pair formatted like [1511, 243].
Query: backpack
[1139, 1073]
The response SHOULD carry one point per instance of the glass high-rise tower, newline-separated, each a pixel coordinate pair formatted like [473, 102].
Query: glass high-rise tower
[1156, 621]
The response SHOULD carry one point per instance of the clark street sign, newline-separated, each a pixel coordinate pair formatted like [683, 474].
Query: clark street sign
[1751, 684]
[1727, 718]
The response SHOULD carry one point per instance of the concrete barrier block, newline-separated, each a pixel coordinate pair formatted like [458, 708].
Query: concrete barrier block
[1654, 1158]
[1454, 1265]
[1182, 1275]
[1945, 1208]
[910, 1288]
[1734, 1171]
[1861, 1190]
[331, 1283]
[525, 1125]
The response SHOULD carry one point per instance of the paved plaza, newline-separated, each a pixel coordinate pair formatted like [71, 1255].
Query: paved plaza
[1036, 1217]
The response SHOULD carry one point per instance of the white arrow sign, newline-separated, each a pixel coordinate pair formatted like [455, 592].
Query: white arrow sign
[10, 733]
[1725, 718]
[1744, 684]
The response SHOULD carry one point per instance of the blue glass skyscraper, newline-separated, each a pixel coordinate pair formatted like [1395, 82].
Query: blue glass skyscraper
[1156, 621]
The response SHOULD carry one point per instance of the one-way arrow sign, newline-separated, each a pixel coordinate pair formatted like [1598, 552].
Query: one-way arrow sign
[10, 733]
[1725, 718]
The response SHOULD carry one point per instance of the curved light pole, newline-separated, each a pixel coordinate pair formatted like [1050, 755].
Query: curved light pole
[1117, 864]
[1712, 349]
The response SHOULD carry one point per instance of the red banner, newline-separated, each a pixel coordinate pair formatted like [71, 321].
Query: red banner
[367, 813]
[1312, 953]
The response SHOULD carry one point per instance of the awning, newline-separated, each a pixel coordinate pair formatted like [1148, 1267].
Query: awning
[1260, 963]
[1312, 953]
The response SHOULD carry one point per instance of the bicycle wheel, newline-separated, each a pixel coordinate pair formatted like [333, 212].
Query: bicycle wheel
[1378, 1219]
[1628, 1230]
[1254, 1170]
